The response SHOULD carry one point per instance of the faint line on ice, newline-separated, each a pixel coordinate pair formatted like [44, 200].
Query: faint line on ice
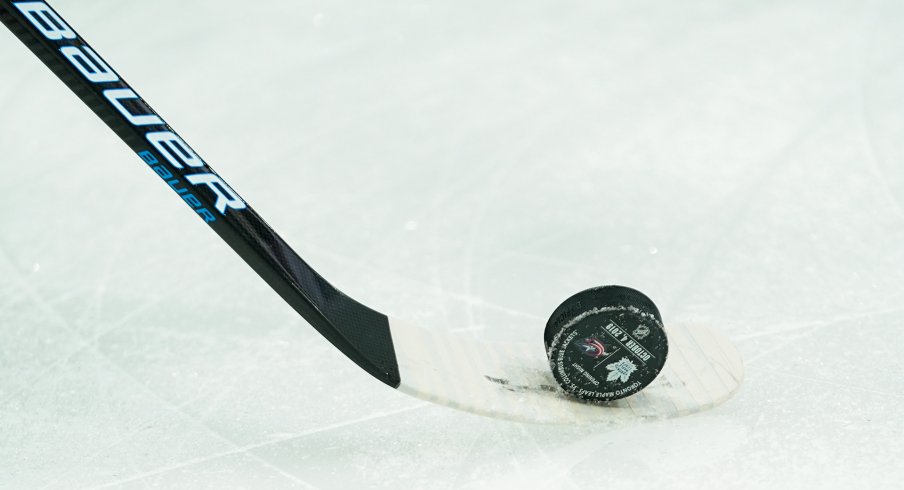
[246, 449]
[848, 386]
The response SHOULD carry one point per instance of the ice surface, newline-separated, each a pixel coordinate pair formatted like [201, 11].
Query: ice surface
[464, 165]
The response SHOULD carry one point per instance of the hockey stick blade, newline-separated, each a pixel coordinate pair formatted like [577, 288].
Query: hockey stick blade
[510, 381]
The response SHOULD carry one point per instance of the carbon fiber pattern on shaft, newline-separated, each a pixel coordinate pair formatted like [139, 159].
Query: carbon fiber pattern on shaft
[324, 306]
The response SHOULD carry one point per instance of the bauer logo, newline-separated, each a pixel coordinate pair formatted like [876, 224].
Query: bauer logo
[187, 174]
[45, 20]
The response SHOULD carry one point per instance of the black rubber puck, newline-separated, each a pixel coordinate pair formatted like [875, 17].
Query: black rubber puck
[606, 343]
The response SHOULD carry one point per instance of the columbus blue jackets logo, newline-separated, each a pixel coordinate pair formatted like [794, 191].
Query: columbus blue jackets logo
[592, 347]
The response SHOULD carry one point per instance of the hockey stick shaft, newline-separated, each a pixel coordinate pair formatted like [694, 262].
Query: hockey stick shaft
[359, 332]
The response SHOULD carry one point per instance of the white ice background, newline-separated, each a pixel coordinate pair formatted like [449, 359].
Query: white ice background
[464, 165]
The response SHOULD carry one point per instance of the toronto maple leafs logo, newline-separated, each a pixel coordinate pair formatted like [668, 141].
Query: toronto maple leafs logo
[621, 370]
[592, 347]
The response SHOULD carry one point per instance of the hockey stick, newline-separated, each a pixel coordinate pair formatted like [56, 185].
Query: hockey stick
[511, 381]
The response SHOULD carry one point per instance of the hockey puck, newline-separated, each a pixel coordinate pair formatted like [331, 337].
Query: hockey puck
[606, 343]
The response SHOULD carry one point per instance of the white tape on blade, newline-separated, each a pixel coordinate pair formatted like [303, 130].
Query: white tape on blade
[513, 381]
